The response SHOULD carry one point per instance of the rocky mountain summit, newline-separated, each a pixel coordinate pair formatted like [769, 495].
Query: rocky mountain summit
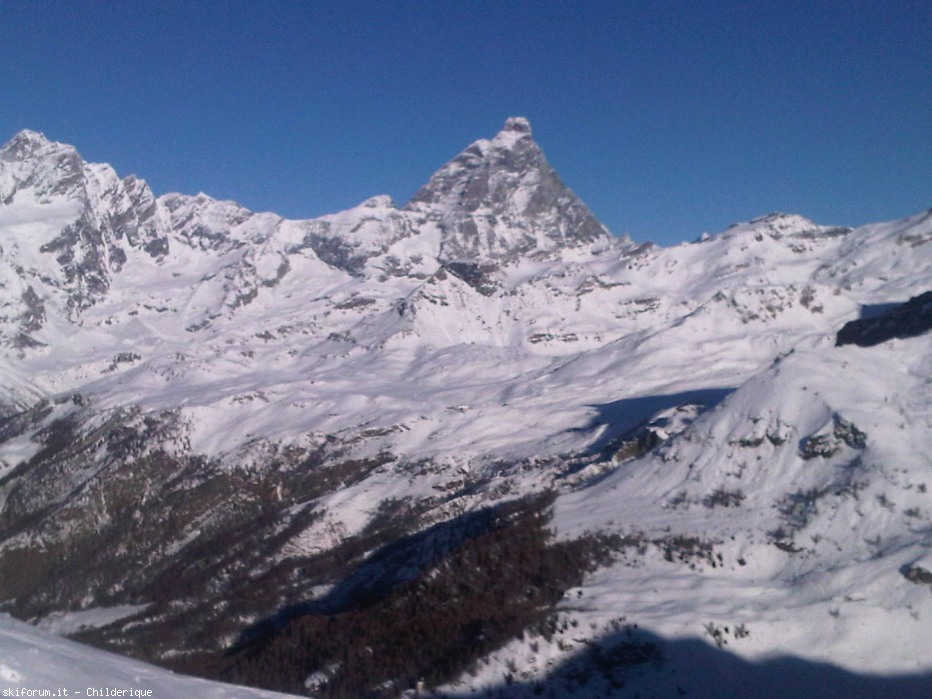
[475, 436]
[500, 200]
[69, 226]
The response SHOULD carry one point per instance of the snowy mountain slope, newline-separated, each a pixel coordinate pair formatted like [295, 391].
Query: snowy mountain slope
[790, 521]
[798, 461]
[209, 409]
[34, 661]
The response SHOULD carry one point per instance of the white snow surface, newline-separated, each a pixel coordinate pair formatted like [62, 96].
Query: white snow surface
[850, 549]
[33, 661]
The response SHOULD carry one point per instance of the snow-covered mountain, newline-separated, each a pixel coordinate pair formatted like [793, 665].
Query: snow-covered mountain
[228, 422]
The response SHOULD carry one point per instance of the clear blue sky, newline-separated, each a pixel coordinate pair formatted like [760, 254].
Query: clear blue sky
[667, 118]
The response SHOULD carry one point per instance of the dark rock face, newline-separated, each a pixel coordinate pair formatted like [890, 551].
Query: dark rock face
[818, 446]
[848, 433]
[478, 276]
[137, 221]
[827, 445]
[501, 198]
[910, 319]
[33, 317]
[28, 148]
[80, 252]
[337, 253]
[917, 574]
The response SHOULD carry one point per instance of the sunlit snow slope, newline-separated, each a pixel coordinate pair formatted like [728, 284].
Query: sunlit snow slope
[36, 663]
[208, 415]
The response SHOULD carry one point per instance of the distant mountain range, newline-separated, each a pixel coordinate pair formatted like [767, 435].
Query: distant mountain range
[471, 443]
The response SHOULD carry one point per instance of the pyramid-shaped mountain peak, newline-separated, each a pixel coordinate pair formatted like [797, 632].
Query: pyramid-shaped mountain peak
[31, 161]
[515, 135]
[518, 125]
[29, 144]
[28, 136]
[501, 199]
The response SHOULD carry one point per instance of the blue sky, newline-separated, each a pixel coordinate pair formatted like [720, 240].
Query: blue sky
[668, 118]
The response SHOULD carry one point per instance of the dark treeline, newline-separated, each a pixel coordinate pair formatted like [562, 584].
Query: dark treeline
[493, 586]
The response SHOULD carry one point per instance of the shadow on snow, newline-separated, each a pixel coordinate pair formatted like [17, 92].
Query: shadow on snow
[634, 663]
[626, 417]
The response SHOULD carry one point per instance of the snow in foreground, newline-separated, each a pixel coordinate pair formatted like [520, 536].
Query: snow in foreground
[36, 663]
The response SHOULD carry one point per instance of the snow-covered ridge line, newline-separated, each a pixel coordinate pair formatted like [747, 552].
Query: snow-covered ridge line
[230, 397]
